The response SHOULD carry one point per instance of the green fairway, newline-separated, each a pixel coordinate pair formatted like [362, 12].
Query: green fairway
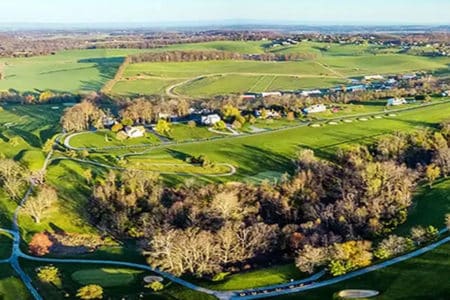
[24, 129]
[67, 71]
[106, 138]
[272, 151]
[257, 278]
[11, 287]
[105, 277]
[429, 208]
[423, 277]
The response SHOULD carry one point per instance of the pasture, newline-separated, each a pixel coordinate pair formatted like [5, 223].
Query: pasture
[325, 65]
[66, 71]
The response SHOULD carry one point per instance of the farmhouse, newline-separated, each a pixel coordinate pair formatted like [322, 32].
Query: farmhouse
[134, 131]
[396, 101]
[315, 109]
[210, 119]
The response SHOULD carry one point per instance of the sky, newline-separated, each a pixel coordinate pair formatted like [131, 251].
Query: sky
[301, 12]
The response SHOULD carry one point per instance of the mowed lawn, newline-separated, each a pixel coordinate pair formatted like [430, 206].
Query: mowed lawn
[67, 71]
[273, 151]
[24, 129]
[11, 287]
[421, 278]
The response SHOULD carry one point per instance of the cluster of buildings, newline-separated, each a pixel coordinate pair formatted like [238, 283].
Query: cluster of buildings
[367, 83]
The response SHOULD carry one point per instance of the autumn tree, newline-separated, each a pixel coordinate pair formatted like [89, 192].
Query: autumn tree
[81, 116]
[12, 177]
[348, 256]
[48, 274]
[139, 111]
[40, 244]
[393, 246]
[432, 172]
[38, 204]
[310, 257]
[163, 127]
[91, 291]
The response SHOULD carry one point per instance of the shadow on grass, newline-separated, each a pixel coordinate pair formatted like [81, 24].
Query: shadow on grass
[107, 67]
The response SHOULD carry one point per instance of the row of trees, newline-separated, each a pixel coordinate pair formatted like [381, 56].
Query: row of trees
[206, 229]
[13, 96]
[190, 56]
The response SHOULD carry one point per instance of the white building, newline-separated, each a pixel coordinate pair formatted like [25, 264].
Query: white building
[268, 94]
[210, 119]
[310, 93]
[135, 131]
[315, 109]
[396, 101]
[373, 77]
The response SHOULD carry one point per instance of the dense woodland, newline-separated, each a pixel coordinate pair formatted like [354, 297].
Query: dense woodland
[323, 213]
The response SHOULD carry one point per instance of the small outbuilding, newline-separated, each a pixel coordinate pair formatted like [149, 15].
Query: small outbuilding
[317, 108]
[135, 131]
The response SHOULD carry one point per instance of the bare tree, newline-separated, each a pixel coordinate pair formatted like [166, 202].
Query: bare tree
[36, 206]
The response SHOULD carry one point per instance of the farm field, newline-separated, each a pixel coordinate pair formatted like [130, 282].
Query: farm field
[328, 65]
[66, 71]
[423, 277]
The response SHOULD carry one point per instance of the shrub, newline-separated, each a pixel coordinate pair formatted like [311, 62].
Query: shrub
[48, 274]
[127, 122]
[192, 124]
[220, 125]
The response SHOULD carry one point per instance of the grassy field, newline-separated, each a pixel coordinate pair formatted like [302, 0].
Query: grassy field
[106, 138]
[430, 207]
[11, 287]
[118, 283]
[328, 65]
[24, 129]
[272, 151]
[68, 71]
[424, 277]
[257, 278]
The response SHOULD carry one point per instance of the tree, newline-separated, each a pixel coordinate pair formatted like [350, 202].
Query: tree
[163, 127]
[91, 291]
[12, 177]
[40, 244]
[139, 111]
[431, 173]
[220, 126]
[48, 274]
[156, 286]
[290, 116]
[81, 116]
[349, 256]
[36, 206]
[392, 246]
[117, 127]
[46, 96]
[311, 257]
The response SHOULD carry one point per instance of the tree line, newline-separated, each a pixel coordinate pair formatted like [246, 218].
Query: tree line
[191, 56]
